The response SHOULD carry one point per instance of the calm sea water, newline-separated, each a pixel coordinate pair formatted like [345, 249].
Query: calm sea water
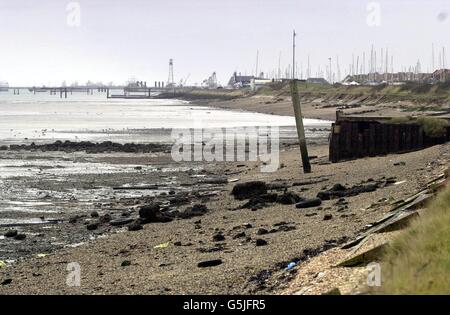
[45, 118]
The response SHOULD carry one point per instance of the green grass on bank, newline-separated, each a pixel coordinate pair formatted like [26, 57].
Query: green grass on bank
[418, 261]
[419, 92]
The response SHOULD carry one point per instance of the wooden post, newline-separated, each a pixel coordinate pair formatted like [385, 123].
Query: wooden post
[300, 127]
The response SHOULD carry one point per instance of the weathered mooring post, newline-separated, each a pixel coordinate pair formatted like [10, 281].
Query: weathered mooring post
[300, 126]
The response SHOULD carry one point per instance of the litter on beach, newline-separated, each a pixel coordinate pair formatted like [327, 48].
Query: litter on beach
[162, 246]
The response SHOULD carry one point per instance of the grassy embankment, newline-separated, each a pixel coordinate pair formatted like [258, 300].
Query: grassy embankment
[424, 96]
[418, 261]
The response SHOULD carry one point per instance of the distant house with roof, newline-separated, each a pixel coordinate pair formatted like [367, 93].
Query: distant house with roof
[238, 81]
[441, 75]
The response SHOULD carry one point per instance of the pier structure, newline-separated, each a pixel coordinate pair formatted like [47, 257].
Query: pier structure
[140, 91]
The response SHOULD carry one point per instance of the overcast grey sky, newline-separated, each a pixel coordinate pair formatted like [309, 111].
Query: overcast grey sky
[43, 43]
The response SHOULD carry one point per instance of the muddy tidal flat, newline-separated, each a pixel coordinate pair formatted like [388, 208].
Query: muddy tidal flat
[199, 238]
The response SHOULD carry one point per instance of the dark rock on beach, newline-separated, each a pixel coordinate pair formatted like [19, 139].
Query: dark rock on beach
[261, 242]
[289, 198]
[135, 226]
[262, 231]
[309, 203]
[340, 191]
[125, 263]
[92, 226]
[260, 202]
[20, 237]
[195, 211]
[92, 147]
[218, 237]
[6, 282]
[247, 190]
[239, 235]
[152, 214]
[121, 221]
[11, 233]
[105, 218]
[149, 210]
[210, 263]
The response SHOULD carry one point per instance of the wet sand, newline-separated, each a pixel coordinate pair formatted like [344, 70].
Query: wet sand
[129, 263]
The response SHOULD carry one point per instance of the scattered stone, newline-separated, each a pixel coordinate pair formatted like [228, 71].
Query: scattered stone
[309, 203]
[125, 213]
[195, 211]
[151, 214]
[328, 217]
[94, 214]
[339, 191]
[286, 228]
[135, 226]
[164, 264]
[261, 242]
[215, 248]
[289, 198]
[400, 163]
[210, 263]
[121, 221]
[74, 219]
[11, 233]
[92, 147]
[239, 235]
[105, 218]
[20, 237]
[218, 238]
[262, 231]
[149, 210]
[126, 263]
[6, 282]
[311, 214]
[260, 202]
[92, 226]
[247, 190]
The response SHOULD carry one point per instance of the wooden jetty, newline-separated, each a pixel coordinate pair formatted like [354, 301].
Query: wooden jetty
[139, 92]
[126, 92]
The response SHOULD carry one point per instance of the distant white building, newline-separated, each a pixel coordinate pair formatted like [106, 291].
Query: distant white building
[256, 83]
